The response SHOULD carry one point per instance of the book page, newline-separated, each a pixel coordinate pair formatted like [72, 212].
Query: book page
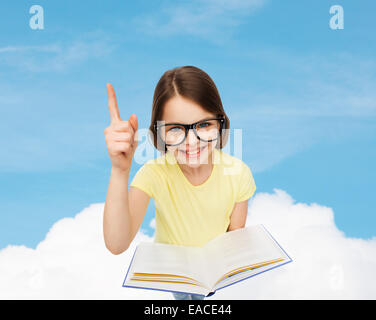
[166, 259]
[166, 286]
[248, 273]
[240, 248]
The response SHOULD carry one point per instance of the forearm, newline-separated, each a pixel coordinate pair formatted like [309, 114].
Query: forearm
[238, 217]
[117, 224]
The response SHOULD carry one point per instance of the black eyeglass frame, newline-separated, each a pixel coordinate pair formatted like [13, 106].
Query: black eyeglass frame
[190, 126]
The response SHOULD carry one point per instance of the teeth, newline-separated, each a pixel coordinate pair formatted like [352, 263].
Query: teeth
[193, 152]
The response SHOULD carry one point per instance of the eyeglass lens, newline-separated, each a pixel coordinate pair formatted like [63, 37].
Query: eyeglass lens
[175, 134]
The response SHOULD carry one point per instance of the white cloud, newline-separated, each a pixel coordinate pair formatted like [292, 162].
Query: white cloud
[152, 223]
[309, 98]
[41, 48]
[331, 85]
[202, 18]
[327, 264]
[72, 262]
[55, 57]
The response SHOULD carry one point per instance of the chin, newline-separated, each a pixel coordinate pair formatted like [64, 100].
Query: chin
[194, 162]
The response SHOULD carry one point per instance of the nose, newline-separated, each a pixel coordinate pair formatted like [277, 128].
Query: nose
[192, 140]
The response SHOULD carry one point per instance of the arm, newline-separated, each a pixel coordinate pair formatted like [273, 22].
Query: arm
[246, 190]
[123, 212]
[238, 216]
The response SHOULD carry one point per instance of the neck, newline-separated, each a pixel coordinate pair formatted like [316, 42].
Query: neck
[200, 170]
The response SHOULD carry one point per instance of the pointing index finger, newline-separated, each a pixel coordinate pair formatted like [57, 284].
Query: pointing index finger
[112, 104]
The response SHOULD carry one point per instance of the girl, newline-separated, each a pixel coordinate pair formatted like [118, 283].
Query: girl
[199, 191]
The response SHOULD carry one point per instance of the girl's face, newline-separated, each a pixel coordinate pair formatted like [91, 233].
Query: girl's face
[192, 152]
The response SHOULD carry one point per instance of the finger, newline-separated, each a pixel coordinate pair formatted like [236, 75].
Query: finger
[123, 126]
[122, 137]
[134, 142]
[112, 104]
[134, 122]
[121, 147]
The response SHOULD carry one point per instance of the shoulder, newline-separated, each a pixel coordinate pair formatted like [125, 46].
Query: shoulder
[156, 162]
[231, 165]
[238, 172]
[157, 166]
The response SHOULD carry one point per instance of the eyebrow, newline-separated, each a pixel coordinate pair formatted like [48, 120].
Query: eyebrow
[207, 118]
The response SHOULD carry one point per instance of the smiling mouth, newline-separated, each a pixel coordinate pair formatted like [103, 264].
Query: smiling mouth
[192, 154]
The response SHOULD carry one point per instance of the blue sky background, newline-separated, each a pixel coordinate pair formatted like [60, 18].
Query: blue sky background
[302, 93]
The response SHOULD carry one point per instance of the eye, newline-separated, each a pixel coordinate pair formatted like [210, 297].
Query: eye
[175, 129]
[203, 125]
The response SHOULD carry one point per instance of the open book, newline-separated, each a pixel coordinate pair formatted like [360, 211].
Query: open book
[225, 260]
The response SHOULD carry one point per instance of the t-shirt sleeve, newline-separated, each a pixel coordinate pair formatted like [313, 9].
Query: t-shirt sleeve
[146, 179]
[247, 186]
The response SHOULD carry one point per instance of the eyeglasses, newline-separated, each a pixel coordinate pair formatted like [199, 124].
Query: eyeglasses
[173, 134]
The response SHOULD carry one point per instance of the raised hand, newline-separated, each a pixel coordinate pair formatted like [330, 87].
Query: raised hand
[120, 136]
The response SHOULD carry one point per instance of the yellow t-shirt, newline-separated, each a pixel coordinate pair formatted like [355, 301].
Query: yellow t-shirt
[192, 215]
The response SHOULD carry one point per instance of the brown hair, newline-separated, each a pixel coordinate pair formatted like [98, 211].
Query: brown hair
[191, 83]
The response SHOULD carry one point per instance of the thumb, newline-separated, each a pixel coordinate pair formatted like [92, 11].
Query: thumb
[134, 122]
